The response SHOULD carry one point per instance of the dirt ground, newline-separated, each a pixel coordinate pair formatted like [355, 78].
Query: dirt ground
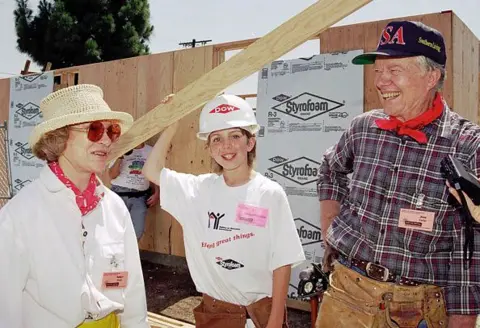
[171, 292]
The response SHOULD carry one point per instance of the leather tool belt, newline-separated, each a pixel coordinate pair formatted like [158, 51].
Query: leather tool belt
[376, 271]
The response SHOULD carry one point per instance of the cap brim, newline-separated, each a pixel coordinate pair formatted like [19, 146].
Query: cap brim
[369, 58]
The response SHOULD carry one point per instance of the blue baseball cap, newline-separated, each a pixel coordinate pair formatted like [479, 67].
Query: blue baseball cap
[407, 39]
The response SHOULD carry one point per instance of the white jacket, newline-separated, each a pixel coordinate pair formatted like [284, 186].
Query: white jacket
[47, 279]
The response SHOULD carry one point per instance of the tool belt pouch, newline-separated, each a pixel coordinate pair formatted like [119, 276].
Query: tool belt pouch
[408, 313]
[217, 314]
[260, 311]
[405, 314]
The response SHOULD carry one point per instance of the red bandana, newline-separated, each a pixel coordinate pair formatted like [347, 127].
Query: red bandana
[87, 200]
[412, 127]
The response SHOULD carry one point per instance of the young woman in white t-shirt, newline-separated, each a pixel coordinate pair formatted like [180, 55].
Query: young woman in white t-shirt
[239, 233]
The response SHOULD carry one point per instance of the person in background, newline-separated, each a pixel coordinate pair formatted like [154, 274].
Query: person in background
[395, 238]
[239, 233]
[130, 184]
[68, 251]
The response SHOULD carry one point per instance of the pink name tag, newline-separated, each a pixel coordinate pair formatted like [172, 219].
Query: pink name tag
[252, 215]
[112, 280]
[418, 220]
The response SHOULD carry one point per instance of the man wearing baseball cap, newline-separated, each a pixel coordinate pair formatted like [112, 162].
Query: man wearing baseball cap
[394, 237]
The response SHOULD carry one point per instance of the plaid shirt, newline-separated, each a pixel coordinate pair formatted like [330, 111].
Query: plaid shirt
[391, 172]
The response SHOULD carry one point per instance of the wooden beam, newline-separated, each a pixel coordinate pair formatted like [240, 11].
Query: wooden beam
[312, 21]
[242, 44]
[248, 95]
[26, 68]
[298, 305]
[47, 67]
[234, 45]
[160, 321]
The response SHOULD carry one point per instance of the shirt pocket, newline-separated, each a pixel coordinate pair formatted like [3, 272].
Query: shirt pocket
[113, 256]
[440, 239]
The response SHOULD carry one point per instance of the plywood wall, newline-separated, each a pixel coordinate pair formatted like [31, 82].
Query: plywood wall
[366, 35]
[187, 154]
[465, 70]
[4, 99]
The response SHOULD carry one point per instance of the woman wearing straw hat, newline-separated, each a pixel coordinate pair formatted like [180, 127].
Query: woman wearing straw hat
[68, 251]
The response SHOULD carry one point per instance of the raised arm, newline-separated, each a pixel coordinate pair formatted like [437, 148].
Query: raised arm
[114, 170]
[157, 157]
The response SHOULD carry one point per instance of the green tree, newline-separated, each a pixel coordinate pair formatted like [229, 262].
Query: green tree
[78, 32]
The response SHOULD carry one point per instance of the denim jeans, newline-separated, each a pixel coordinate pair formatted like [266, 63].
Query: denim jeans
[137, 206]
[422, 324]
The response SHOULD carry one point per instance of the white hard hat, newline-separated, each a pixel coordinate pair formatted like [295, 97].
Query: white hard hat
[226, 112]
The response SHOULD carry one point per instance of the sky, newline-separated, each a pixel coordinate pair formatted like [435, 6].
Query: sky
[178, 21]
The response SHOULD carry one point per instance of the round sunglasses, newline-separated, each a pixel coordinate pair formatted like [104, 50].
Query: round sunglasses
[96, 130]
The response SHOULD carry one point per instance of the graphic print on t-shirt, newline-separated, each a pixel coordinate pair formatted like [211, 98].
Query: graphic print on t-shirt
[214, 219]
[136, 167]
[225, 241]
[229, 264]
[131, 170]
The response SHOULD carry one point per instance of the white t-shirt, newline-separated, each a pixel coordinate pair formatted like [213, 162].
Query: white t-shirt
[234, 236]
[131, 170]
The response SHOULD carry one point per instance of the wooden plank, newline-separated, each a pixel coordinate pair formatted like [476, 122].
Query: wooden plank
[242, 44]
[288, 36]
[443, 23]
[349, 37]
[188, 153]
[458, 38]
[26, 68]
[299, 305]
[120, 88]
[60, 86]
[93, 74]
[217, 57]
[154, 82]
[248, 95]
[4, 99]
[235, 45]
[221, 58]
[71, 78]
[88, 74]
[147, 242]
[465, 71]
[160, 321]
[370, 94]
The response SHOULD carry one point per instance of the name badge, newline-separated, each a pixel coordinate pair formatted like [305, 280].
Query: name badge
[112, 280]
[415, 219]
[252, 215]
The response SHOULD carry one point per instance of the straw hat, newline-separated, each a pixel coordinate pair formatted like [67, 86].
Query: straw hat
[77, 104]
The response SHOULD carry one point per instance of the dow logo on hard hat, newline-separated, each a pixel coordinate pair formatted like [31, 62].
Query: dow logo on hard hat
[224, 109]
